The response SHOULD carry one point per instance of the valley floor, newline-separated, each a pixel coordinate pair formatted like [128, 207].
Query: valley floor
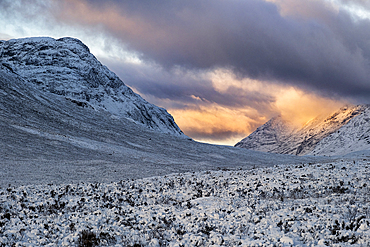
[321, 204]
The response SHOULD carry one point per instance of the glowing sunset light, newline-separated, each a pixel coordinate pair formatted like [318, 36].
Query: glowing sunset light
[299, 107]
[295, 106]
[217, 124]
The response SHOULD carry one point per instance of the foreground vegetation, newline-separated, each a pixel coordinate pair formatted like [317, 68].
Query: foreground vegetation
[307, 205]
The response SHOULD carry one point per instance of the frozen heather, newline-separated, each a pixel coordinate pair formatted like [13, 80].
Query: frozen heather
[322, 204]
[66, 67]
[346, 130]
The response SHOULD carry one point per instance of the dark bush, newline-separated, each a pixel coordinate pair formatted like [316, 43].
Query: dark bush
[87, 238]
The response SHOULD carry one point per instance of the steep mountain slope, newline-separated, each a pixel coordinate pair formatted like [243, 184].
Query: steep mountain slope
[351, 137]
[272, 137]
[315, 137]
[66, 67]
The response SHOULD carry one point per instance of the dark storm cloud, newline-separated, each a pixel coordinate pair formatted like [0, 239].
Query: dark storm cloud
[249, 36]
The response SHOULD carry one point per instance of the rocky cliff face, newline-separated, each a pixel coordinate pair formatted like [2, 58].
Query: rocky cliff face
[344, 131]
[66, 67]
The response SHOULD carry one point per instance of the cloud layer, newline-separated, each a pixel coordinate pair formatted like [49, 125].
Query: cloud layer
[325, 50]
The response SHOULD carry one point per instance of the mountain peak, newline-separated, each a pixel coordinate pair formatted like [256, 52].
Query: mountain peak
[65, 67]
[320, 136]
[269, 137]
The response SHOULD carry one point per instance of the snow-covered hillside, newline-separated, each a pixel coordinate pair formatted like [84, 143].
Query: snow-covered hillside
[301, 205]
[66, 67]
[351, 137]
[342, 132]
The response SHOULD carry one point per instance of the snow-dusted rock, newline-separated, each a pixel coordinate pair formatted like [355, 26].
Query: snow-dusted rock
[66, 67]
[346, 130]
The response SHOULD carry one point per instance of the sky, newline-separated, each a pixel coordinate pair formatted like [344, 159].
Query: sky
[220, 67]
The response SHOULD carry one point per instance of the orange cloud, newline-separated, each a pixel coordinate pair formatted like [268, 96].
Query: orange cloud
[300, 107]
[212, 122]
[291, 103]
[217, 124]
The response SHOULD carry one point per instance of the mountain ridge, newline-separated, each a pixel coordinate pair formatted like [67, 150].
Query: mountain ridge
[311, 139]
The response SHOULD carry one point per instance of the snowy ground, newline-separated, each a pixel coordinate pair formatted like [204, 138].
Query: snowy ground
[325, 204]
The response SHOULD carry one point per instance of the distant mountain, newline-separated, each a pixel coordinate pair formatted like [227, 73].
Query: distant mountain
[66, 67]
[345, 131]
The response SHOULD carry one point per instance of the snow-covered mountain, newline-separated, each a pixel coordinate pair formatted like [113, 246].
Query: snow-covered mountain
[66, 67]
[346, 130]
